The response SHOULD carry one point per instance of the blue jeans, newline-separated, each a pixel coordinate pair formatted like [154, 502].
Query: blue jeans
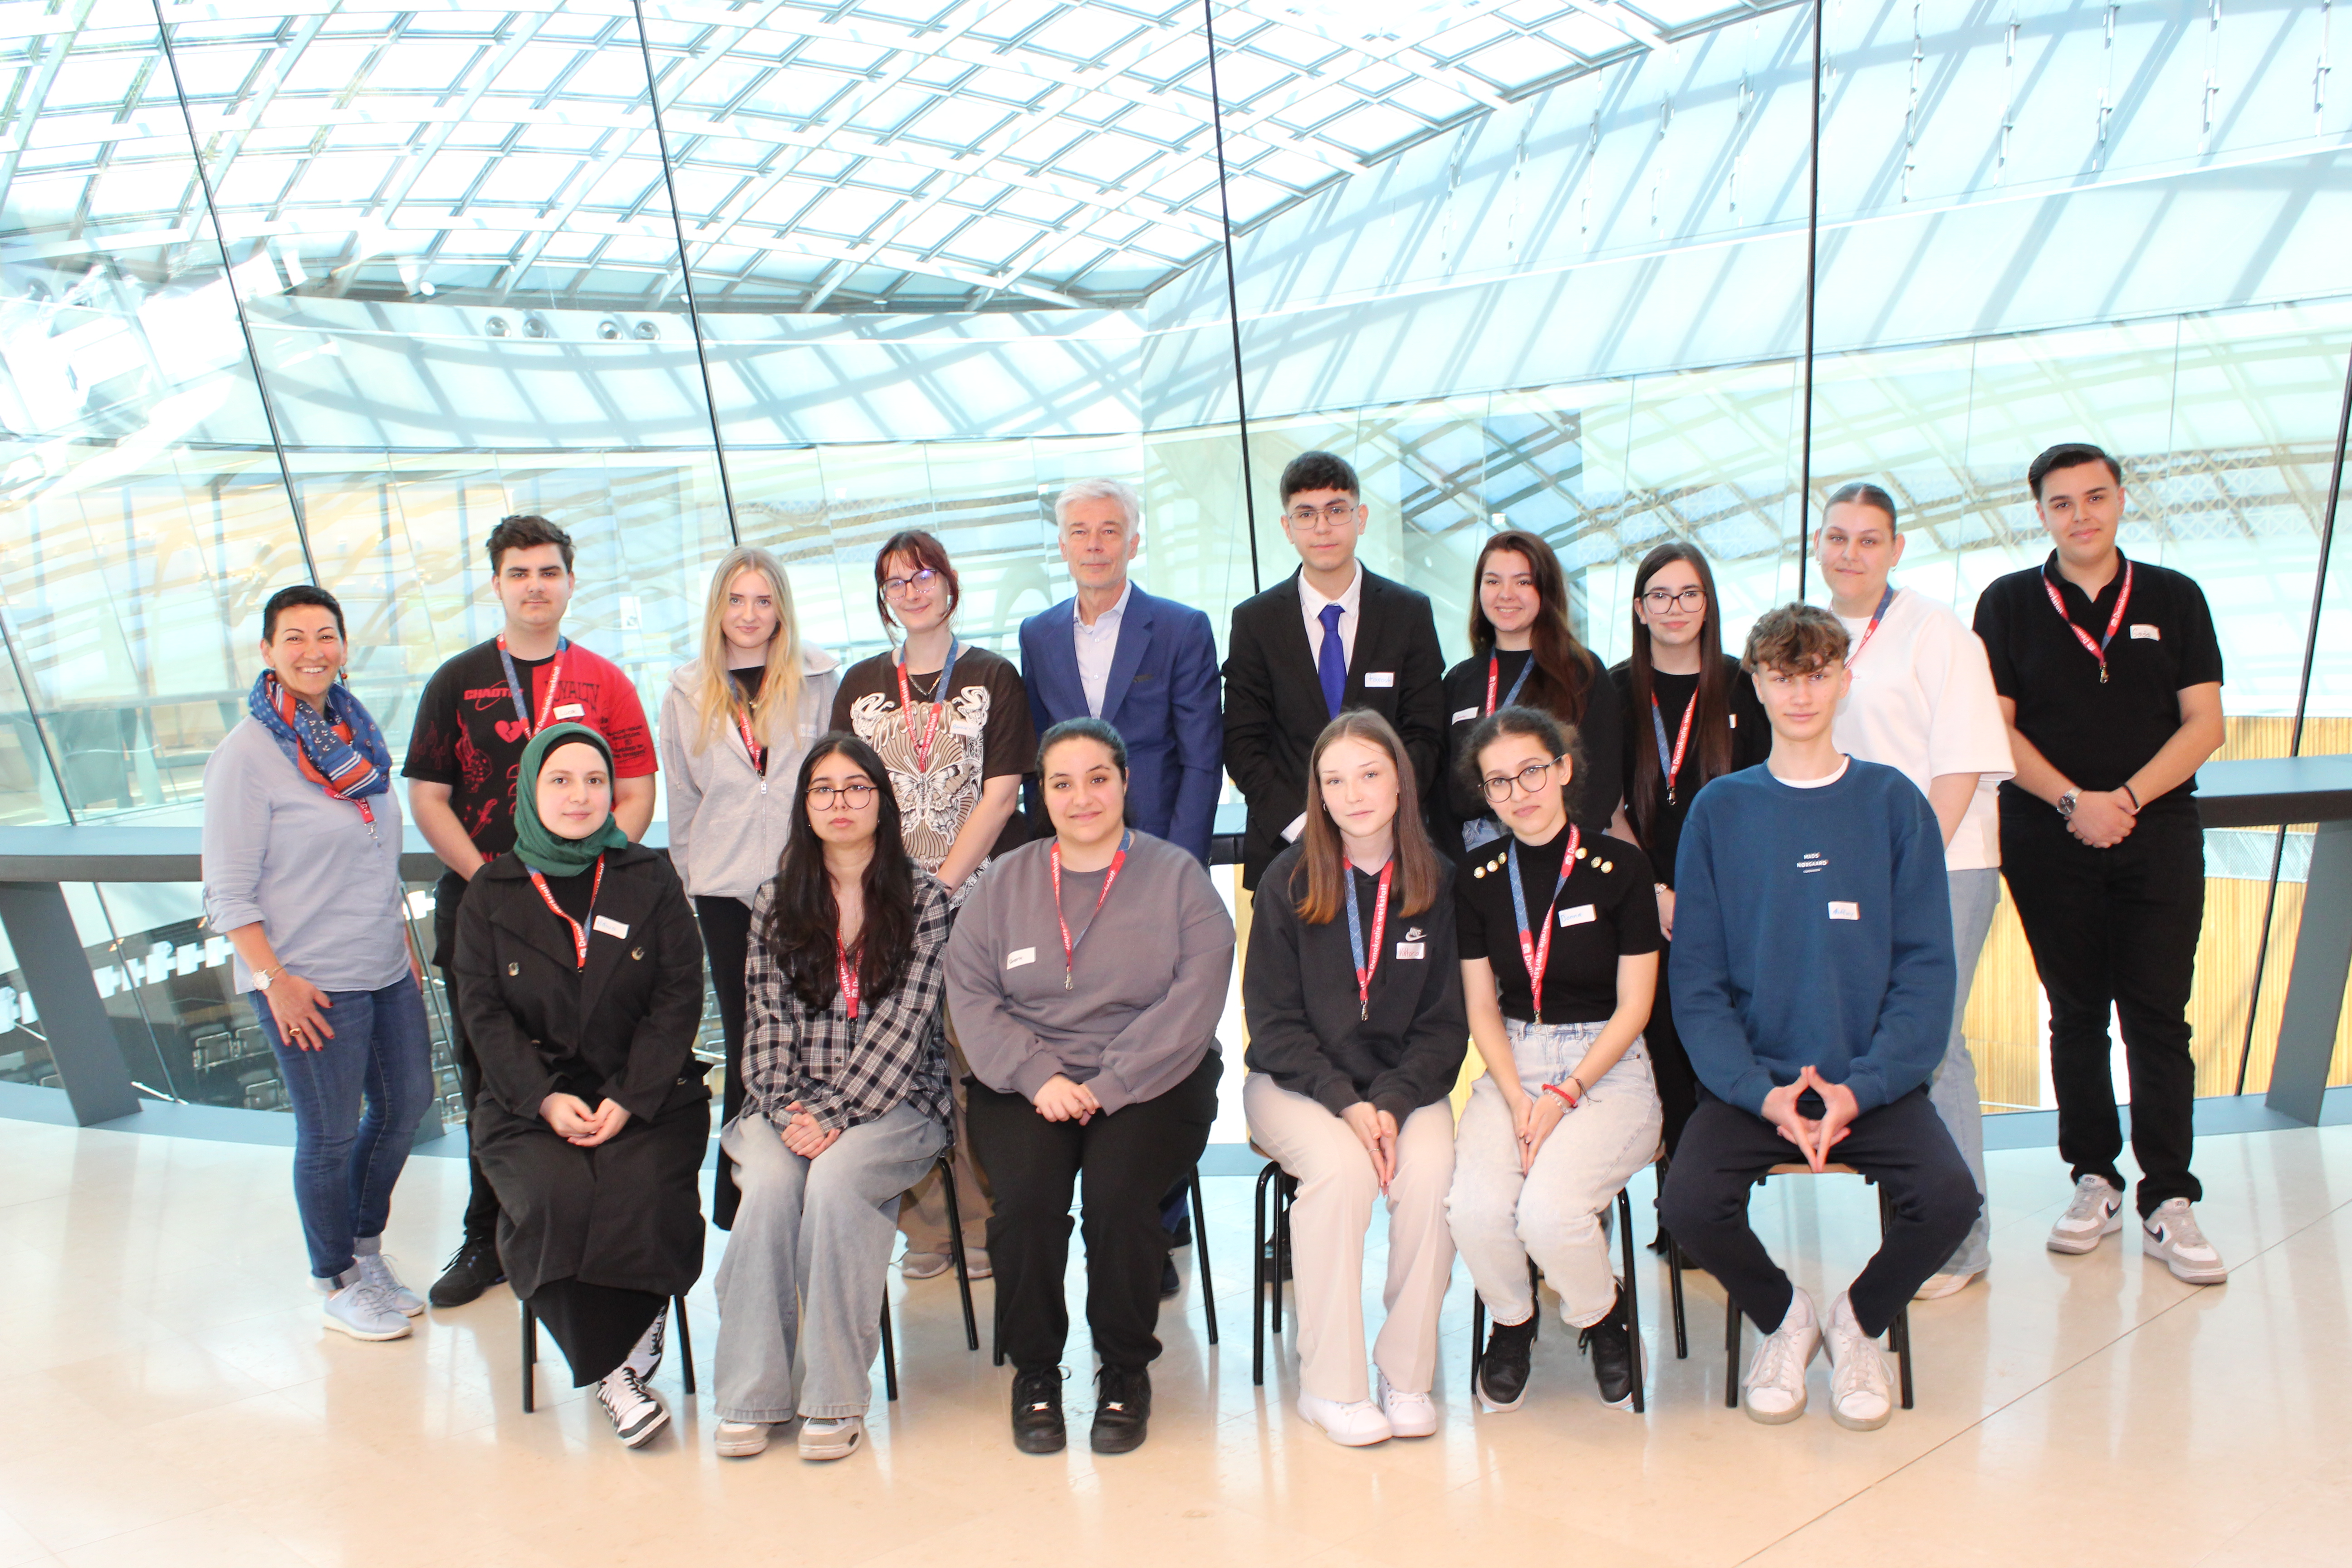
[1952, 1090]
[346, 1159]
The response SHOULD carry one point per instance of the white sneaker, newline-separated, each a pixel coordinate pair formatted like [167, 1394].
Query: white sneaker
[355, 1306]
[1861, 1398]
[831, 1437]
[2097, 1211]
[1938, 1286]
[638, 1414]
[926, 1265]
[376, 1269]
[1410, 1414]
[741, 1439]
[1775, 1385]
[644, 1357]
[1354, 1425]
[976, 1265]
[2172, 1234]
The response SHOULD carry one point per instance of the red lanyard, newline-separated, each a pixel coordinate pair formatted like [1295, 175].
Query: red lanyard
[1495, 679]
[1367, 967]
[752, 747]
[516, 686]
[1871, 630]
[1536, 955]
[1069, 948]
[579, 932]
[1681, 741]
[2098, 649]
[938, 705]
[845, 973]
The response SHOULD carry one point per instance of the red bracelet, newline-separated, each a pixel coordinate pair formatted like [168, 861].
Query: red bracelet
[1565, 1098]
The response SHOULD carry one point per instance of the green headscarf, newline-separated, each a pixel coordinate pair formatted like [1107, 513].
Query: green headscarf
[542, 850]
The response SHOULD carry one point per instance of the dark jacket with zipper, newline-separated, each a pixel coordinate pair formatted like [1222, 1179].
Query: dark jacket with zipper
[625, 1213]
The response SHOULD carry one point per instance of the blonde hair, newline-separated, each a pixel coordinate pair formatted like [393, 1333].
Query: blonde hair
[716, 695]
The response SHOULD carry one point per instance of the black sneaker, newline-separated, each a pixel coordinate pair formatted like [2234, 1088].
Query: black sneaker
[1171, 1283]
[1503, 1370]
[473, 1268]
[1122, 1409]
[1611, 1344]
[1038, 1425]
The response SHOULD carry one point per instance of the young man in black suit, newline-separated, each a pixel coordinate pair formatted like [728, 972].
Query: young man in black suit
[1330, 636]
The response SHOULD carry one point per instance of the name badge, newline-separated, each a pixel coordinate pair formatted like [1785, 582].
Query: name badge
[1840, 911]
[610, 926]
[1409, 950]
[1460, 714]
[2148, 634]
[1579, 914]
[1734, 721]
[1380, 678]
[1019, 956]
[964, 727]
[574, 710]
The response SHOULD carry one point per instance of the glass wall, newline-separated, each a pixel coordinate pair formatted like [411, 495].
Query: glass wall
[323, 293]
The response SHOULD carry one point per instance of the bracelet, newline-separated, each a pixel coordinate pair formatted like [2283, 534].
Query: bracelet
[1565, 1098]
[2135, 797]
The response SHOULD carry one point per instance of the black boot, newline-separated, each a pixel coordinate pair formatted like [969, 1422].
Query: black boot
[1503, 1370]
[1038, 1425]
[473, 1268]
[1610, 1344]
[1122, 1409]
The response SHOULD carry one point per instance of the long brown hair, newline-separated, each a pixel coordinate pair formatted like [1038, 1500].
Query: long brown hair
[1324, 863]
[1565, 668]
[1711, 725]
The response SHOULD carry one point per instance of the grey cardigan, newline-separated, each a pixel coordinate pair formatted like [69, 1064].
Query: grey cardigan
[726, 823]
[1150, 980]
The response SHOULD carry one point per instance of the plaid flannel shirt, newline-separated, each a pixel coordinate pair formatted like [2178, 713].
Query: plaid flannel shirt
[845, 1074]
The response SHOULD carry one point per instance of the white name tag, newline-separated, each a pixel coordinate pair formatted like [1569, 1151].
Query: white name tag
[2148, 634]
[1409, 950]
[1380, 678]
[1579, 914]
[1844, 911]
[1465, 713]
[610, 926]
[574, 710]
[965, 728]
[1019, 956]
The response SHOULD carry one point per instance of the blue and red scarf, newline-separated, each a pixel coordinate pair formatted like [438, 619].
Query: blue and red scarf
[342, 751]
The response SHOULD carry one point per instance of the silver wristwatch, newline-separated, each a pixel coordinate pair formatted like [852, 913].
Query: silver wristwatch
[2067, 802]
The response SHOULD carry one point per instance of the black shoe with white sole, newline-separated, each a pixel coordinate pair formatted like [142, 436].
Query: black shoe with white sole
[1503, 1370]
[1609, 1342]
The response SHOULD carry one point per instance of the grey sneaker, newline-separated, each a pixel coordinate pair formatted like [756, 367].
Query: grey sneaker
[741, 1439]
[355, 1306]
[1775, 1385]
[376, 1269]
[1861, 1395]
[834, 1437]
[2172, 1234]
[925, 1265]
[2097, 1211]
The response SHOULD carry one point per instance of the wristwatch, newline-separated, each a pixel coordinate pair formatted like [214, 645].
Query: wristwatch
[262, 977]
[2067, 802]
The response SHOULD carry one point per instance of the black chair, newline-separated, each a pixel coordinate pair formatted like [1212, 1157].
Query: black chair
[1270, 1255]
[1199, 1265]
[963, 1284]
[1632, 1306]
[531, 1349]
[1898, 1332]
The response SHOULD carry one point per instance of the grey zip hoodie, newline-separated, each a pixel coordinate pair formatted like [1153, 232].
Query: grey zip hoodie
[728, 823]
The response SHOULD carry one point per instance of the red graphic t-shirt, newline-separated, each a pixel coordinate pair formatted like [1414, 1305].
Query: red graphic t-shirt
[468, 736]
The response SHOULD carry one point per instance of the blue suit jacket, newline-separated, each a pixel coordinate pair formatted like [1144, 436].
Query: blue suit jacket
[1162, 698]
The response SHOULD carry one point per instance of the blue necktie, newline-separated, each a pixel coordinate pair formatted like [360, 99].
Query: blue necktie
[1331, 664]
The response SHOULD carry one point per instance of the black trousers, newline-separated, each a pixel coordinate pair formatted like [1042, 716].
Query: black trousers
[481, 1200]
[1902, 1146]
[2116, 929]
[726, 937]
[595, 1326]
[1670, 1066]
[1120, 1165]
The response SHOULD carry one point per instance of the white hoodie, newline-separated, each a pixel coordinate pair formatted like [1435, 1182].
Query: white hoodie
[726, 823]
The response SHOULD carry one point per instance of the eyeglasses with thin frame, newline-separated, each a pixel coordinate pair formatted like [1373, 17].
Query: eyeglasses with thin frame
[857, 797]
[1338, 514]
[1662, 601]
[897, 587]
[1530, 779]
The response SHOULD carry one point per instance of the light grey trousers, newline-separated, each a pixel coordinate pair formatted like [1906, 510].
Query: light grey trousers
[1952, 1090]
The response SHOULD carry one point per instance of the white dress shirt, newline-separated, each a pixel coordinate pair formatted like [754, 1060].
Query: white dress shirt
[1096, 645]
[1310, 605]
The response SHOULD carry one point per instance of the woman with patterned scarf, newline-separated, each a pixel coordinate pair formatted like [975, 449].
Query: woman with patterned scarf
[301, 866]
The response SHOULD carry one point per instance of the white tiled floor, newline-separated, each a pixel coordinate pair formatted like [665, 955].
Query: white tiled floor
[176, 1403]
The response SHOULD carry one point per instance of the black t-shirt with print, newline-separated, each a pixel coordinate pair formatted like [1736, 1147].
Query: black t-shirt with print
[986, 733]
[1606, 911]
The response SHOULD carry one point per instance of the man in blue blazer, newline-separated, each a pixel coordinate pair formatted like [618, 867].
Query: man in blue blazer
[1147, 666]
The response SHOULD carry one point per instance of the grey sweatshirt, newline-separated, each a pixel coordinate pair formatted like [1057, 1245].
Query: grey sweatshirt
[726, 823]
[1150, 975]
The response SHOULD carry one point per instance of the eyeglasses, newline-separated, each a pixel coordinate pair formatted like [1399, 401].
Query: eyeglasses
[1530, 779]
[857, 797]
[898, 587]
[1662, 600]
[1338, 514]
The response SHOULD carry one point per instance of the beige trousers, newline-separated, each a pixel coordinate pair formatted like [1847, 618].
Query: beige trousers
[1327, 1224]
[923, 1207]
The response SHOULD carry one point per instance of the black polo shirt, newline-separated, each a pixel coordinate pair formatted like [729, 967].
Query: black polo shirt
[2097, 735]
[1607, 911]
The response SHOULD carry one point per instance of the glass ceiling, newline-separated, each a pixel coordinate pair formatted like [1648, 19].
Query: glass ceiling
[845, 157]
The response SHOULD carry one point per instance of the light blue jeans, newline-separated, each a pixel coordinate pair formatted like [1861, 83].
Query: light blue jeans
[807, 1262]
[1952, 1090]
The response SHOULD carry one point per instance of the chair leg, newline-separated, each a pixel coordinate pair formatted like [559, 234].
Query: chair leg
[889, 1353]
[1899, 1331]
[1730, 1352]
[685, 1342]
[1262, 1264]
[1201, 1258]
[1477, 1335]
[530, 1357]
[1633, 1299]
[955, 1246]
[1674, 1288]
[1285, 1189]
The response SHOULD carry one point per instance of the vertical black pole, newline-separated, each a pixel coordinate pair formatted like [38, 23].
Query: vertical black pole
[1233, 292]
[1812, 268]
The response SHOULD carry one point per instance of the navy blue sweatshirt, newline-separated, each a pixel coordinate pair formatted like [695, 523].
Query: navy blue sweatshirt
[1813, 927]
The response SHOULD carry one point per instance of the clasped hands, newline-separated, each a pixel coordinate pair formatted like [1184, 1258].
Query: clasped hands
[1376, 1129]
[1816, 1138]
[802, 1134]
[1060, 1099]
[2103, 818]
[575, 1123]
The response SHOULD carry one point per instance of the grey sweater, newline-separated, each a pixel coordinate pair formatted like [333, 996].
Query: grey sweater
[728, 823]
[1150, 977]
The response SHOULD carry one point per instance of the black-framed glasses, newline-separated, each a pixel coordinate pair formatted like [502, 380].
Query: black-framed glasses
[1662, 601]
[1338, 514]
[1530, 779]
[857, 797]
[897, 587]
